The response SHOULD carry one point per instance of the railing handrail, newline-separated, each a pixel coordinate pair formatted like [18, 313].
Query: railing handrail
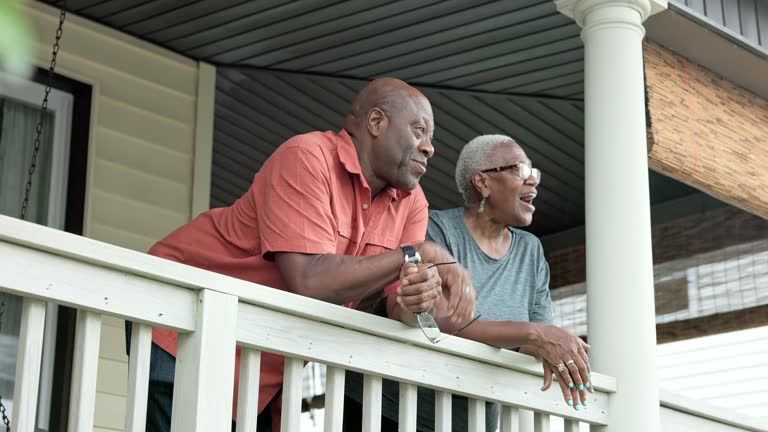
[176, 275]
[708, 411]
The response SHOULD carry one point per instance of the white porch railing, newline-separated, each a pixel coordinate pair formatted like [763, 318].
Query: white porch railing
[213, 313]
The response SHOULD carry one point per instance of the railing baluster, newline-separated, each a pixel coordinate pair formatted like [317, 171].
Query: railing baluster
[476, 415]
[570, 426]
[407, 417]
[292, 393]
[334, 399]
[248, 390]
[205, 367]
[443, 411]
[371, 403]
[28, 365]
[84, 370]
[526, 420]
[540, 422]
[510, 419]
[138, 377]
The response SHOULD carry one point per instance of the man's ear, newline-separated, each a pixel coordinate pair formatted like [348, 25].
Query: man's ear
[377, 121]
[480, 182]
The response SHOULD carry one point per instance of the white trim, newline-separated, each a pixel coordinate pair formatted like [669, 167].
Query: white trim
[203, 152]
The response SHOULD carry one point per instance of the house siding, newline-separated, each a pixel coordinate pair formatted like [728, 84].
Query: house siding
[150, 127]
[744, 19]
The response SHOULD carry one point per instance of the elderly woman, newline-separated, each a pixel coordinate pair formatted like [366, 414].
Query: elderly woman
[509, 273]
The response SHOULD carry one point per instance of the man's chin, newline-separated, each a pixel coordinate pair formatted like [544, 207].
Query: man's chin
[407, 185]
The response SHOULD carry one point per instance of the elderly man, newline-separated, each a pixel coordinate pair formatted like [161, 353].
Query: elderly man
[325, 218]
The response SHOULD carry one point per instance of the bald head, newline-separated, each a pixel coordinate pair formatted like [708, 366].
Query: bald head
[389, 94]
[391, 125]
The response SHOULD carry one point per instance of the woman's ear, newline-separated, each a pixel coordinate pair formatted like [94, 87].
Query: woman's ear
[376, 121]
[480, 182]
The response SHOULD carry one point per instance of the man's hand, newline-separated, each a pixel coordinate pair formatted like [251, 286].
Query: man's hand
[420, 287]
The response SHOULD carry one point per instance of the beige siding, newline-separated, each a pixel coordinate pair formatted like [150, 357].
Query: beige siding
[150, 140]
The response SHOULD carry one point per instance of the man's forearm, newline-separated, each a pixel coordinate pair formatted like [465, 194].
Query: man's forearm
[339, 278]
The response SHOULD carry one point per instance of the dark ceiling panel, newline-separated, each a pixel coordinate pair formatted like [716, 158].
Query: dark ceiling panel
[493, 45]
[287, 67]
[258, 110]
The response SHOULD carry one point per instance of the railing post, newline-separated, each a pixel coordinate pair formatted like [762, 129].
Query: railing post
[28, 365]
[205, 367]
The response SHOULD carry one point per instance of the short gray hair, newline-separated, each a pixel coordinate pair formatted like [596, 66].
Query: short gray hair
[476, 155]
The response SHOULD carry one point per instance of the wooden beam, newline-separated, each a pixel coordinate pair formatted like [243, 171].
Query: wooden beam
[706, 131]
[712, 324]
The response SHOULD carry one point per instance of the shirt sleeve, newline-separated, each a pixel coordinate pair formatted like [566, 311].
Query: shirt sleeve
[414, 229]
[542, 306]
[436, 231]
[294, 213]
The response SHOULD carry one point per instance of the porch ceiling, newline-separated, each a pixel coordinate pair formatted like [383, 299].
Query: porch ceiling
[287, 67]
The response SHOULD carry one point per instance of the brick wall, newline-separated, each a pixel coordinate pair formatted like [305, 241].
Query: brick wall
[685, 237]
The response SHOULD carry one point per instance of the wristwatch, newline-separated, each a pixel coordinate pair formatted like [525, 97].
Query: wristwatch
[411, 256]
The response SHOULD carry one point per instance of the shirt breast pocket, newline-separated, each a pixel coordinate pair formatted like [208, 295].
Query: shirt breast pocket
[380, 243]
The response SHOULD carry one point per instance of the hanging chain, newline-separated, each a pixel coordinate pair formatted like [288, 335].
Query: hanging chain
[33, 163]
[41, 115]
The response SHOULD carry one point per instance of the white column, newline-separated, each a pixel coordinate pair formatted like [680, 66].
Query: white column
[620, 296]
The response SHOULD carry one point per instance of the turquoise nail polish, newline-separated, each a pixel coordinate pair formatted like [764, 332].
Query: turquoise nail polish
[590, 374]
[578, 407]
[570, 385]
[581, 387]
[584, 403]
[570, 402]
[587, 384]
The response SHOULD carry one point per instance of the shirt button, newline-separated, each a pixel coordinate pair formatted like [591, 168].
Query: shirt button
[365, 206]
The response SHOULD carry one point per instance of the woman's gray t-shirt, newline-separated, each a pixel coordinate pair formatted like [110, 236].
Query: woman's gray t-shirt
[512, 288]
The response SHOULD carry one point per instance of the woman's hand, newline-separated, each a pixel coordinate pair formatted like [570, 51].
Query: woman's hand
[565, 355]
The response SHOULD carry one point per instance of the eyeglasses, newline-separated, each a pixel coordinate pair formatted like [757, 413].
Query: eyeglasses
[429, 326]
[522, 170]
[430, 329]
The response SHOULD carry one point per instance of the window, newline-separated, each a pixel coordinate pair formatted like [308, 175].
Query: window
[19, 110]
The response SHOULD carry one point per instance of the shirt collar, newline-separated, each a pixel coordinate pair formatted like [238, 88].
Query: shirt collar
[350, 161]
